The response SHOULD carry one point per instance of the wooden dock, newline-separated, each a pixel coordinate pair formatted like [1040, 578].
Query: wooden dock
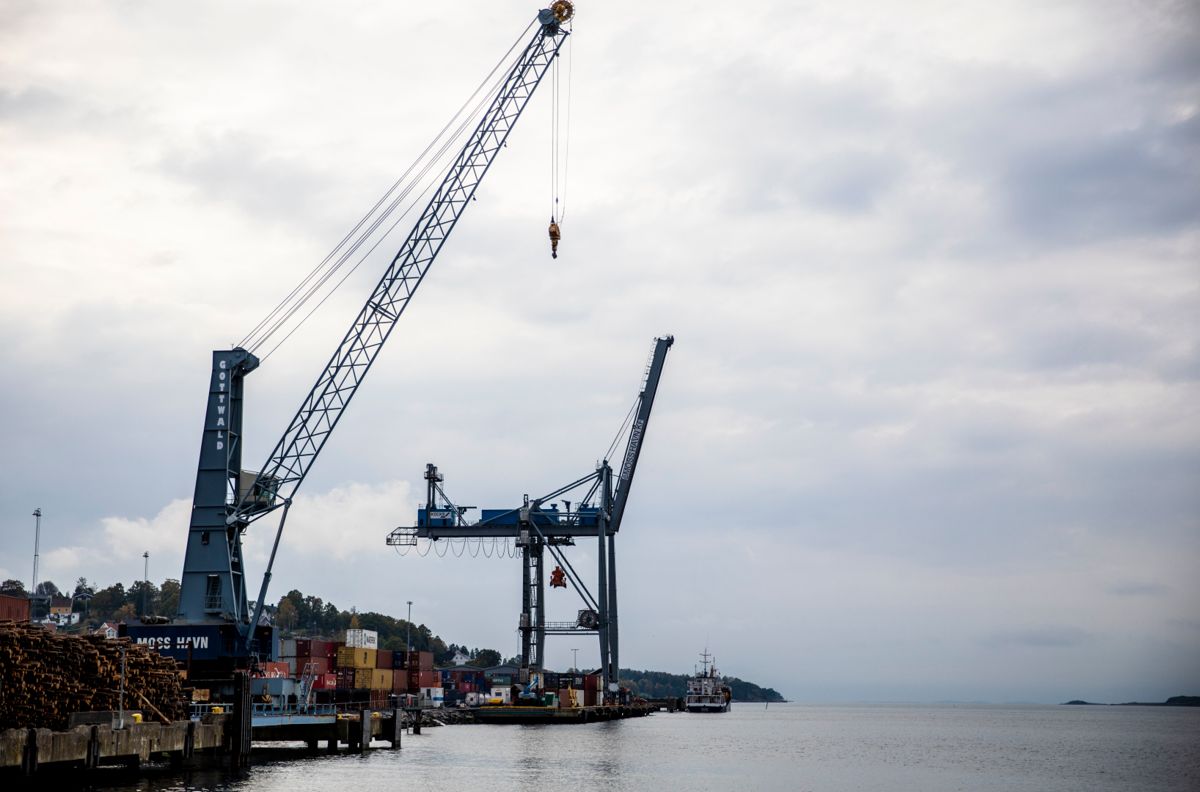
[24, 751]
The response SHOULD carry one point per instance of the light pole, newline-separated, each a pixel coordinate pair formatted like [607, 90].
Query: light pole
[145, 580]
[408, 640]
[575, 661]
[37, 540]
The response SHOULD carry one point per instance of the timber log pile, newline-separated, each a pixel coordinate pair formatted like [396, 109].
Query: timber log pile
[45, 676]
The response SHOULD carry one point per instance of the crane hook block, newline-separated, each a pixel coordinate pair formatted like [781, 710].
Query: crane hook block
[555, 235]
[558, 578]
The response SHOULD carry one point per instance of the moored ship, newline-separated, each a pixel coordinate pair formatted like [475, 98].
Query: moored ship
[706, 691]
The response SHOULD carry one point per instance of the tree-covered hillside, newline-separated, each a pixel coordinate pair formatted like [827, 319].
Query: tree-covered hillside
[659, 684]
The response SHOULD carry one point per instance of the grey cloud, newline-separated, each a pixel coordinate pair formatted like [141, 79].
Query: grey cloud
[1050, 637]
[238, 169]
[1138, 589]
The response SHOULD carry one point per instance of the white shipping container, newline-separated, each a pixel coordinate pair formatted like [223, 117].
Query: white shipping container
[287, 647]
[362, 639]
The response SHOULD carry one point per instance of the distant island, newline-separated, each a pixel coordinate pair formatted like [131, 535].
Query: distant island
[660, 684]
[1174, 701]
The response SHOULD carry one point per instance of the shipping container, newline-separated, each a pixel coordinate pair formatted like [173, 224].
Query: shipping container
[275, 670]
[317, 665]
[383, 658]
[362, 639]
[14, 608]
[287, 647]
[422, 661]
[351, 657]
[430, 679]
[382, 679]
[325, 682]
[399, 660]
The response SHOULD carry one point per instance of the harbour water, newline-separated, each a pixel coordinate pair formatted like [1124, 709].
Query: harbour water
[822, 748]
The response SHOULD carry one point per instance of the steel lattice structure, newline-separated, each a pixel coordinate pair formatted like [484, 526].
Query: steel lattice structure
[227, 499]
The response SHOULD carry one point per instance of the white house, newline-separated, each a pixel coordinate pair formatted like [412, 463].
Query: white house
[461, 657]
[108, 630]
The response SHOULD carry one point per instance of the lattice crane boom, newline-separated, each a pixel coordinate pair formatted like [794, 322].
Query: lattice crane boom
[227, 499]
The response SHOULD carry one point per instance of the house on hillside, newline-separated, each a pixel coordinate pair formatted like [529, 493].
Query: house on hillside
[106, 630]
[461, 657]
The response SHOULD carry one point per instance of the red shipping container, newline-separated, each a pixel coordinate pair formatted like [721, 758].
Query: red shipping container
[320, 665]
[325, 682]
[422, 661]
[430, 679]
[383, 658]
[273, 670]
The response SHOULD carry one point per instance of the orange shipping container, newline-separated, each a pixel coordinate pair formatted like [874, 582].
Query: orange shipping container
[350, 657]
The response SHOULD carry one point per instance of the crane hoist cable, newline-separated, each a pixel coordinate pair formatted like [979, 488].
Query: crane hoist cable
[435, 153]
[560, 147]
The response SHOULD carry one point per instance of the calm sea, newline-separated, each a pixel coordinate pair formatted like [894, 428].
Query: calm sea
[781, 747]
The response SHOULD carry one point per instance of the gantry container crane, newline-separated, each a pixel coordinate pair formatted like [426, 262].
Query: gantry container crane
[539, 525]
[214, 623]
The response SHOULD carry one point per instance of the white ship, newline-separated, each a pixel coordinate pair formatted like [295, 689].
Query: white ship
[706, 692]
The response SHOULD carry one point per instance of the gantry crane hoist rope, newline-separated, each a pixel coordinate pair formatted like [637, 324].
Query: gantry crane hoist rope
[227, 498]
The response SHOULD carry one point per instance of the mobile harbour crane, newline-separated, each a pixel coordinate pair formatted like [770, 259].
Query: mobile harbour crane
[214, 627]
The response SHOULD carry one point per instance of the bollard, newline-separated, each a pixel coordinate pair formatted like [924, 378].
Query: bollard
[364, 730]
[397, 727]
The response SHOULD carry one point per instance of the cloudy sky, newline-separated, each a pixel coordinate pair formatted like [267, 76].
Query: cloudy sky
[930, 428]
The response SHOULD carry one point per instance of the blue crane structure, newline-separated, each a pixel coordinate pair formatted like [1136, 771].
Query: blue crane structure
[214, 620]
[538, 525]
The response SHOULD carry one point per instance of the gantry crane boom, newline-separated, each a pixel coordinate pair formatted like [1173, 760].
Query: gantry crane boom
[637, 430]
[227, 499]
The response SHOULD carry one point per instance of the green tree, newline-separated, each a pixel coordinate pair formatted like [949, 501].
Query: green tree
[286, 615]
[47, 589]
[168, 598]
[13, 588]
[107, 601]
[486, 658]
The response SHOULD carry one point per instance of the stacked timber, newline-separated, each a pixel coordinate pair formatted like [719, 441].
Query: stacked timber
[45, 677]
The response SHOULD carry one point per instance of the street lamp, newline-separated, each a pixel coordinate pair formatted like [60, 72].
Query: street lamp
[575, 661]
[37, 540]
[145, 580]
[408, 640]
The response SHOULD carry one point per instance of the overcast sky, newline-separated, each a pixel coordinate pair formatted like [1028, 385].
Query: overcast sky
[931, 426]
